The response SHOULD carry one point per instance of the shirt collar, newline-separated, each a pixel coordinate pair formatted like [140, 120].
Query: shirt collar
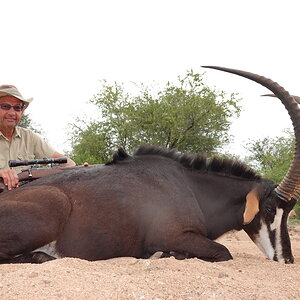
[17, 132]
[2, 135]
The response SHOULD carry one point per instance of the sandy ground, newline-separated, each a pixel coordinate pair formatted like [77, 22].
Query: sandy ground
[248, 276]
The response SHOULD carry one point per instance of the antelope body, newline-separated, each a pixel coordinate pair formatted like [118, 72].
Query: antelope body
[154, 200]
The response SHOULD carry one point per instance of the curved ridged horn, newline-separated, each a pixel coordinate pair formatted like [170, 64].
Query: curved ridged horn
[297, 98]
[289, 186]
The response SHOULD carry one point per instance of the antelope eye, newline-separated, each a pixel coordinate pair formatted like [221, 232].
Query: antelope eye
[270, 210]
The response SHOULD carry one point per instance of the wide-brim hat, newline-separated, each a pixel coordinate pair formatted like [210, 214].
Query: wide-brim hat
[13, 91]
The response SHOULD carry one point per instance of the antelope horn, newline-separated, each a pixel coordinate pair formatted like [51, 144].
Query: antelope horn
[290, 185]
[297, 98]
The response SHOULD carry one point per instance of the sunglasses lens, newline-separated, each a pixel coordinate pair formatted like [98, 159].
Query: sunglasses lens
[6, 106]
[17, 107]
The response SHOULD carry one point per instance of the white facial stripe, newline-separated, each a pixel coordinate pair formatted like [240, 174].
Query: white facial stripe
[277, 219]
[276, 226]
[278, 246]
[49, 249]
[263, 241]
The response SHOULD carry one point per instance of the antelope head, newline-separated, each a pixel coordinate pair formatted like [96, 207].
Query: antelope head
[270, 204]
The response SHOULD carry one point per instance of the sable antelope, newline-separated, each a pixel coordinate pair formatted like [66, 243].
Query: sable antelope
[155, 200]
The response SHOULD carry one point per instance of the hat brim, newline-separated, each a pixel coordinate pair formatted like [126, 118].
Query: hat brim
[16, 96]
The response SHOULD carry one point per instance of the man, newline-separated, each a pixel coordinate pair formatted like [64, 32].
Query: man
[17, 142]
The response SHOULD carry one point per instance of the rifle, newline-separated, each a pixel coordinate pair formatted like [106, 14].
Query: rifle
[35, 172]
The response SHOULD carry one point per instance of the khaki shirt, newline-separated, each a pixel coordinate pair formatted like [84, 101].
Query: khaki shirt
[25, 145]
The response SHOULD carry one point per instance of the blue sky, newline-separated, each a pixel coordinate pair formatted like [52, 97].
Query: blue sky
[57, 51]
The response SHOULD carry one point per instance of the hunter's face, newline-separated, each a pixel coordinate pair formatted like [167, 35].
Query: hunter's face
[10, 114]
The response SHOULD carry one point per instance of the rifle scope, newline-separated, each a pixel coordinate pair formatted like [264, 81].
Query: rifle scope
[44, 161]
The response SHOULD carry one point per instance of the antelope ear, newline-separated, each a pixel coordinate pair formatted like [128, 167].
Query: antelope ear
[252, 206]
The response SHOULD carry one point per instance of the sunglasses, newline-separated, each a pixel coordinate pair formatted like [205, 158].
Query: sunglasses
[6, 106]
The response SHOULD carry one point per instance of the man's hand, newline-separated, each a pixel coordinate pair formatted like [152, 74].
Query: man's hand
[10, 178]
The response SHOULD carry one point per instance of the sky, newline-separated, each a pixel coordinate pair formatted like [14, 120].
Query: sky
[58, 51]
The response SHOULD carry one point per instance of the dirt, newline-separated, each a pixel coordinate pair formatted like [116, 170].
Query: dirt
[248, 276]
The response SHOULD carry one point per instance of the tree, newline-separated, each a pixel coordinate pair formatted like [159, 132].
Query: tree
[186, 115]
[93, 146]
[272, 157]
[26, 122]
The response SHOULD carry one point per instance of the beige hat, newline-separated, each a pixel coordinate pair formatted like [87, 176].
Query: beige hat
[13, 91]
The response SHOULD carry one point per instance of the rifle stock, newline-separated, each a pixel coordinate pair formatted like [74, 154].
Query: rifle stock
[36, 173]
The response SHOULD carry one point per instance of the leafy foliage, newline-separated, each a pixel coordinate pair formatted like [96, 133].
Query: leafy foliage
[26, 122]
[186, 115]
[94, 144]
[272, 157]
